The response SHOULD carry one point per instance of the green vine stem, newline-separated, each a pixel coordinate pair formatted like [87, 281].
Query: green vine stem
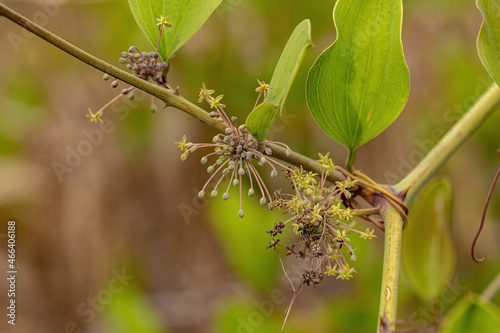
[492, 289]
[444, 149]
[169, 96]
[393, 222]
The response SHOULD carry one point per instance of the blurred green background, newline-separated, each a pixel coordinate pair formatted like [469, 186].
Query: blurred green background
[121, 243]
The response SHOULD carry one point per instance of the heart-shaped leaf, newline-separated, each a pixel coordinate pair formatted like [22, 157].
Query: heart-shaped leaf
[472, 314]
[428, 252]
[186, 17]
[260, 119]
[360, 84]
[488, 41]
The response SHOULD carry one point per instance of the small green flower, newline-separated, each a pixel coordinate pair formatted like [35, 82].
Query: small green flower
[205, 93]
[336, 211]
[95, 117]
[346, 272]
[345, 185]
[349, 214]
[163, 22]
[326, 163]
[215, 102]
[263, 87]
[341, 236]
[368, 234]
[331, 271]
[182, 144]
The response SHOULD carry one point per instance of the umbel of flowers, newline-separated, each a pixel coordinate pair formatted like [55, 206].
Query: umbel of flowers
[233, 156]
[321, 224]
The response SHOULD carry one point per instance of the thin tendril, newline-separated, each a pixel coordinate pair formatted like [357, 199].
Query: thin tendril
[483, 216]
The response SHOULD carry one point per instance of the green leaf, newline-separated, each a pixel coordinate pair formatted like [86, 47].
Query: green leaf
[428, 251]
[187, 17]
[260, 119]
[360, 84]
[488, 41]
[471, 314]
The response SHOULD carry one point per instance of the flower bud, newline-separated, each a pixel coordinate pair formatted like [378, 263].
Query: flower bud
[204, 160]
[353, 258]
[262, 201]
[131, 49]
[268, 151]
[125, 91]
[274, 173]
[225, 196]
[210, 169]
[241, 213]
[193, 149]
[105, 77]
[214, 193]
[262, 160]
[234, 119]
[153, 108]
[201, 194]
[251, 192]
[131, 95]
[184, 157]
[215, 139]
[114, 84]
[228, 130]
[241, 171]
[236, 182]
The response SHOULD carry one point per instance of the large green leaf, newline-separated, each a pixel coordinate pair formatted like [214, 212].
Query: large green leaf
[472, 314]
[260, 119]
[488, 41]
[187, 17]
[360, 84]
[428, 252]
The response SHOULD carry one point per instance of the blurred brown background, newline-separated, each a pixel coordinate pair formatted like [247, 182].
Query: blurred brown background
[128, 208]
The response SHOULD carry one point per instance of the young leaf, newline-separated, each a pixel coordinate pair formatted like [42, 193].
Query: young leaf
[471, 314]
[360, 84]
[187, 17]
[260, 119]
[428, 252]
[488, 41]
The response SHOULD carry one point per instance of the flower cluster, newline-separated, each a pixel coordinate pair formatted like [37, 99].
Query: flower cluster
[321, 223]
[236, 150]
[145, 65]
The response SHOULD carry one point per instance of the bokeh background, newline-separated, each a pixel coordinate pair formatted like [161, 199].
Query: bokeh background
[129, 208]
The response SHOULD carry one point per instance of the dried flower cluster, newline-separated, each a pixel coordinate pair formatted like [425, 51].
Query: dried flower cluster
[236, 150]
[320, 222]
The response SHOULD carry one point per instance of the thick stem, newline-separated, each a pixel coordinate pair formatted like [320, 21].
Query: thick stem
[393, 223]
[456, 136]
[170, 97]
